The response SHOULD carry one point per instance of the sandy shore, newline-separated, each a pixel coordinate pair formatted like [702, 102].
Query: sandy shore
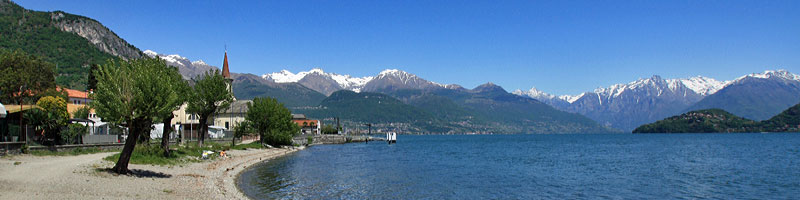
[87, 177]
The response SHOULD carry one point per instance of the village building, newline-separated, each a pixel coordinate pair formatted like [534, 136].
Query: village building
[76, 97]
[307, 126]
[223, 123]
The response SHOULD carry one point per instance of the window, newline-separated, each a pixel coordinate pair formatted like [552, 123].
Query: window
[226, 125]
[305, 123]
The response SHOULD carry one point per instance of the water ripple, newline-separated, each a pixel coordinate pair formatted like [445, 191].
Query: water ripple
[685, 166]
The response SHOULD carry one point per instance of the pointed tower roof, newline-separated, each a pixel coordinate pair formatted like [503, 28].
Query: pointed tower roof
[225, 71]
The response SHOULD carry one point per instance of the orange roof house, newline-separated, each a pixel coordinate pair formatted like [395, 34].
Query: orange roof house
[75, 93]
[306, 122]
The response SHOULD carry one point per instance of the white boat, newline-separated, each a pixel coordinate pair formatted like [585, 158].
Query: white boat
[391, 137]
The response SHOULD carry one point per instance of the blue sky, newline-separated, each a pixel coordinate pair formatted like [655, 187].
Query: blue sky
[560, 47]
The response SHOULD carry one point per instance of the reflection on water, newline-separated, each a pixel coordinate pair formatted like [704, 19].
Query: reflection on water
[717, 166]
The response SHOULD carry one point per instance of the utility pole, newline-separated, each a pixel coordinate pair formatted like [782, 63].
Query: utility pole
[338, 127]
[369, 132]
[20, 114]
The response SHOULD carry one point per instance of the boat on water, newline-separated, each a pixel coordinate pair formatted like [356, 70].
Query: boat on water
[391, 137]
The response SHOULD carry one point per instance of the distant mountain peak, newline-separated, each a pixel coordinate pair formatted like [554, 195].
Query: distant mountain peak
[386, 72]
[405, 77]
[341, 81]
[543, 96]
[188, 69]
[150, 53]
[703, 85]
[489, 86]
[454, 87]
[534, 93]
[773, 74]
[328, 83]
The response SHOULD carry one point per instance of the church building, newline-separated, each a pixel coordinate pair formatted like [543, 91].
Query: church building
[220, 124]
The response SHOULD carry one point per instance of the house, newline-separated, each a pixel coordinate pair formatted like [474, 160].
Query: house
[307, 126]
[10, 124]
[76, 97]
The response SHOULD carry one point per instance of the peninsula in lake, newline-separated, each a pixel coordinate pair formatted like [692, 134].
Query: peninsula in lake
[721, 121]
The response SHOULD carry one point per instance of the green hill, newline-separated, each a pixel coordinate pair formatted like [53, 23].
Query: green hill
[369, 107]
[701, 121]
[383, 111]
[786, 121]
[248, 86]
[720, 121]
[490, 109]
[41, 34]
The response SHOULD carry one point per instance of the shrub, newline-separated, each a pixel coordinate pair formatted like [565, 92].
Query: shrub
[70, 136]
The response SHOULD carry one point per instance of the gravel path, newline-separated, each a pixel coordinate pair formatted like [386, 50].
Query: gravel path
[87, 177]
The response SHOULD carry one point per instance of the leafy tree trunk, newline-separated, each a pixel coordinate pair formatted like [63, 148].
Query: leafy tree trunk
[165, 135]
[261, 139]
[233, 140]
[135, 128]
[203, 129]
[144, 138]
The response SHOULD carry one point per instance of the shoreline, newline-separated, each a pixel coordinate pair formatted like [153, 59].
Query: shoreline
[87, 177]
[233, 173]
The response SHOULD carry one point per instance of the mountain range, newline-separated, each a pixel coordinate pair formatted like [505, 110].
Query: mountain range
[621, 106]
[626, 106]
[327, 83]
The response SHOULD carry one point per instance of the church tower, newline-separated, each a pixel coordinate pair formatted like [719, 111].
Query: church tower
[227, 74]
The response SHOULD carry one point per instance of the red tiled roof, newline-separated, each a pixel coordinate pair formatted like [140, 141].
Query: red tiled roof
[307, 121]
[70, 92]
[74, 93]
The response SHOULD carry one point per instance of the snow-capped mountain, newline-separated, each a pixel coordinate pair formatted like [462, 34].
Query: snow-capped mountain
[393, 79]
[757, 96]
[189, 69]
[702, 86]
[327, 83]
[626, 106]
[319, 80]
[778, 75]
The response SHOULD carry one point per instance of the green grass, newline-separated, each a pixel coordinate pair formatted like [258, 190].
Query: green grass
[153, 154]
[73, 152]
[252, 145]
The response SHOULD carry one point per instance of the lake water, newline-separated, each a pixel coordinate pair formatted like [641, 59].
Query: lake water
[622, 166]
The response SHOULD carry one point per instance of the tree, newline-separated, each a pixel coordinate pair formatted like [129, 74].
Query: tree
[55, 92]
[91, 82]
[241, 129]
[210, 95]
[73, 131]
[329, 129]
[22, 71]
[133, 93]
[82, 113]
[50, 117]
[272, 121]
[179, 90]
